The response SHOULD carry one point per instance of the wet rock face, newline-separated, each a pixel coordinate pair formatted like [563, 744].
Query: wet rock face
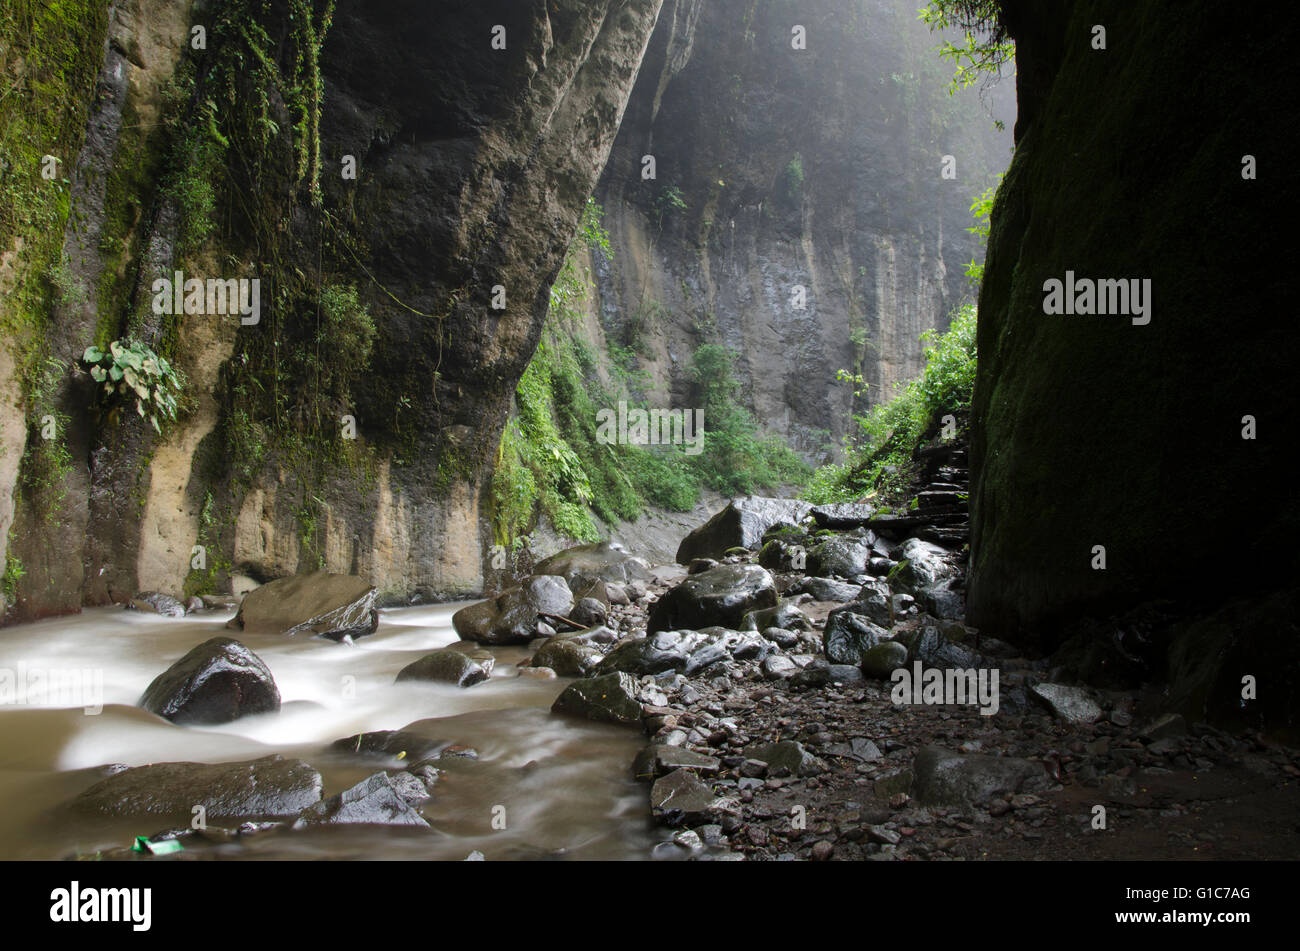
[740, 525]
[1124, 461]
[720, 596]
[271, 787]
[512, 617]
[157, 603]
[586, 566]
[610, 698]
[447, 666]
[218, 681]
[379, 800]
[330, 605]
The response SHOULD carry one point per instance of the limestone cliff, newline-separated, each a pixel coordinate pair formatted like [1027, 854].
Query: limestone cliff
[778, 167]
[218, 140]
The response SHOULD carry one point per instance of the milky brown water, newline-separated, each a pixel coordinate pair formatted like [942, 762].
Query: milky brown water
[565, 784]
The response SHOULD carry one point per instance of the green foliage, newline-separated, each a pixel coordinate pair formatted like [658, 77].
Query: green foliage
[985, 45]
[14, 573]
[670, 199]
[130, 371]
[980, 210]
[879, 451]
[880, 455]
[794, 174]
[737, 458]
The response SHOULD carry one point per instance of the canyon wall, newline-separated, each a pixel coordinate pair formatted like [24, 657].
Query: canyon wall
[477, 132]
[1163, 445]
[779, 167]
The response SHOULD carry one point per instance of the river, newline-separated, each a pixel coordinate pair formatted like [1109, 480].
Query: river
[565, 784]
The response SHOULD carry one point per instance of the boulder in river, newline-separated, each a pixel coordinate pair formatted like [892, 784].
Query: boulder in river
[446, 666]
[155, 602]
[390, 744]
[586, 567]
[568, 656]
[610, 698]
[720, 596]
[267, 788]
[218, 681]
[330, 605]
[512, 616]
[740, 525]
[377, 800]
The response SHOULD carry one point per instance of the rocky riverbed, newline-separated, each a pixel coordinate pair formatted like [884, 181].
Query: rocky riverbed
[802, 687]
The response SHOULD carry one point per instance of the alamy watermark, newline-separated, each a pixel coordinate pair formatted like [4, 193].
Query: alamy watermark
[654, 427]
[234, 296]
[26, 685]
[1085, 297]
[941, 686]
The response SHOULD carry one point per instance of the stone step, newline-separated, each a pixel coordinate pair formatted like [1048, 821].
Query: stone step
[939, 500]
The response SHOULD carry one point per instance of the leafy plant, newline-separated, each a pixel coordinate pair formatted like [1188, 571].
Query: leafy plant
[985, 44]
[130, 370]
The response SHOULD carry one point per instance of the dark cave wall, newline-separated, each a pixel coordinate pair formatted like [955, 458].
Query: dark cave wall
[1089, 430]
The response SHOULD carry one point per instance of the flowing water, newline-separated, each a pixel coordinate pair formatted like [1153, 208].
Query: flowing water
[565, 784]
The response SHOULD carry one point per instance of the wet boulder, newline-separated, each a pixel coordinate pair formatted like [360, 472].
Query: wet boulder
[320, 603]
[659, 759]
[155, 602]
[786, 758]
[267, 788]
[827, 589]
[928, 645]
[681, 797]
[839, 556]
[218, 681]
[881, 661]
[740, 524]
[446, 666]
[568, 656]
[611, 698]
[1072, 704]
[588, 567]
[390, 744]
[849, 634]
[785, 614]
[512, 616]
[780, 554]
[659, 652]
[720, 596]
[720, 644]
[927, 566]
[380, 799]
[843, 515]
[589, 611]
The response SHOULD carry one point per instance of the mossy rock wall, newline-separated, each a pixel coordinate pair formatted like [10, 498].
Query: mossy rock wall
[1089, 430]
